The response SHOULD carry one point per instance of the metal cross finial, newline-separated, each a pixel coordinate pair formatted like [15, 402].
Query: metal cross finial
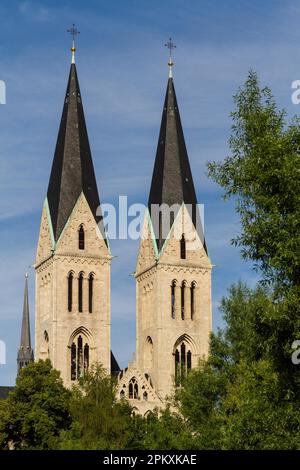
[74, 33]
[170, 45]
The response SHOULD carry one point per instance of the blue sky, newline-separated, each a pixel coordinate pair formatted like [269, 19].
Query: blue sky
[122, 70]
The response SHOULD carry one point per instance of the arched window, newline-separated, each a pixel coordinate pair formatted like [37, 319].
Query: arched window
[80, 357]
[173, 287]
[182, 247]
[70, 291]
[81, 238]
[193, 287]
[145, 396]
[45, 346]
[91, 281]
[122, 394]
[148, 354]
[133, 389]
[183, 362]
[80, 285]
[182, 299]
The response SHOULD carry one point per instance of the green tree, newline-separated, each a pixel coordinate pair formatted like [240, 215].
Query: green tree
[246, 395]
[239, 398]
[36, 411]
[263, 174]
[167, 430]
[99, 421]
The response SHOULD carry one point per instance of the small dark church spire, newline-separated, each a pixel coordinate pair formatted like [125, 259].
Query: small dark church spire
[25, 353]
[172, 181]
[72, 169]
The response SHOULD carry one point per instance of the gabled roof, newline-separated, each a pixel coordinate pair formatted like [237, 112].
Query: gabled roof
[72, 169]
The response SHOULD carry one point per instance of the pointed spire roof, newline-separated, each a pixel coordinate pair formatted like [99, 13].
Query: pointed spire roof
[25, 353]
[172, 181]
[72, 169]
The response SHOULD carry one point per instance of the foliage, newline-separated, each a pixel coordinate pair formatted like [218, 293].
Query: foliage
[98, 420]
[36, 411]
[263, 173]
[246, 395]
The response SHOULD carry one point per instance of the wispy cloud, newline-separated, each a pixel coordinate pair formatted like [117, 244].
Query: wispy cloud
[34, 12]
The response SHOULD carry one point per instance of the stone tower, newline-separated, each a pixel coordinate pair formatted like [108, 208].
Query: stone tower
[173, 272]
[25, 353]
[72, 325]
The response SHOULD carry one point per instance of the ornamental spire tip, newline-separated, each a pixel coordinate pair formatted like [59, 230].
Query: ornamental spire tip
[74, 32]
[170, 45]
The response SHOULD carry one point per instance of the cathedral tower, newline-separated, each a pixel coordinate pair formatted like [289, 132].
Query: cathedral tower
[173, 272]
[72, 325]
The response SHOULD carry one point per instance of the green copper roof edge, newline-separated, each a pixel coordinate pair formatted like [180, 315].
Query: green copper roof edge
[46, 206]
[152, 234]
[170, 232]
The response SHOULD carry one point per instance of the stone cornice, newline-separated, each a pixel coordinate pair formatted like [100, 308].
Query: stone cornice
[73, 257]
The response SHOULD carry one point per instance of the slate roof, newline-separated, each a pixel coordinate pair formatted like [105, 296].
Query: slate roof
[72, 169]
[172, 181]
[25, 353]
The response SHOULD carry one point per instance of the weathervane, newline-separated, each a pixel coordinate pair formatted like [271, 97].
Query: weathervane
[74, 33]
[170, 45]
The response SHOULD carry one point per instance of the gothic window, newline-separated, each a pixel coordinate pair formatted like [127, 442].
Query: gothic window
[173, 287]
[183, 362]
[182, 248]
[80, 285]
[122, 394]
[81, 238]
[70, 291]
[148, 354]
[182, 299]
[46, 344]
[145, 396]
[193, 287]
[80, 353]
[91, 281]
[133, 389]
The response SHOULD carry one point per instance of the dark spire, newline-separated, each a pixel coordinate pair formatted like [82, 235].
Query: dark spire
[172, 181]
[72, 169]
[25, 353]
